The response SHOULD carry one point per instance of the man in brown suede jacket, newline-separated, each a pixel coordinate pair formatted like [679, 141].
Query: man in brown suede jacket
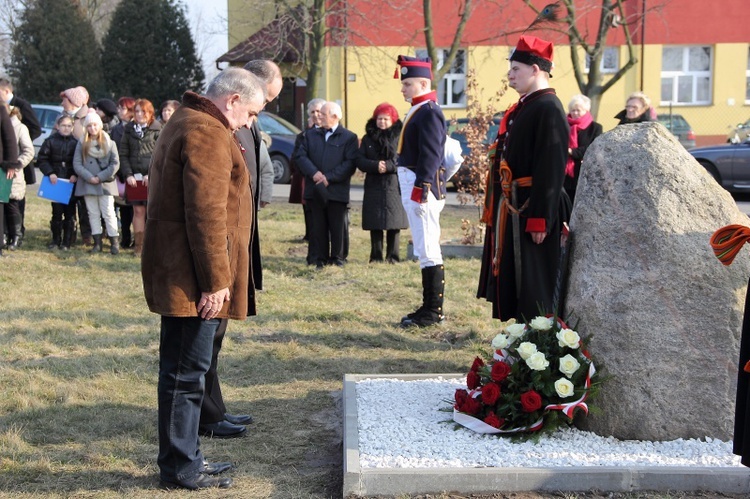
[195, 263]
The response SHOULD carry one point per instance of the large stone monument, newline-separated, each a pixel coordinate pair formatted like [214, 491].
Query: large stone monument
[664, 314]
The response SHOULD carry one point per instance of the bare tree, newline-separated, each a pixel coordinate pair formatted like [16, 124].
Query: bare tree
[465, 14]
[612, 16]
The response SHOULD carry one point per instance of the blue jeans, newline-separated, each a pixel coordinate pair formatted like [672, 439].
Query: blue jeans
[184, 358]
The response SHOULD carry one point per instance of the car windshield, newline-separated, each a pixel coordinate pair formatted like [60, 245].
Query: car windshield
[273, 125]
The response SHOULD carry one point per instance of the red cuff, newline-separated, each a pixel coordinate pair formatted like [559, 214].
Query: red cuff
[416, 194]
[536, 225]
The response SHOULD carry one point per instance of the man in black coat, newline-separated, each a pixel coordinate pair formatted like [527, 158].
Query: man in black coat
[215, 421]
[531, 152]
[326, 157]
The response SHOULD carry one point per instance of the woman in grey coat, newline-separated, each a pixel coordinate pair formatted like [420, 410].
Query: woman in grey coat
[95, 162]
[381, 206]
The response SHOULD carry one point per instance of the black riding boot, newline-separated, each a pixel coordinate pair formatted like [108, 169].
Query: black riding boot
[56, 228]
[431, 312]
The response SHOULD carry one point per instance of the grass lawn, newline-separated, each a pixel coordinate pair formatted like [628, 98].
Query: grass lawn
[79, 355]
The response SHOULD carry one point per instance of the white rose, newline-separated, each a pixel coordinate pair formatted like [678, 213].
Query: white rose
[500, 341]
[526, 349]
[564, 388]
[569, 365]
[541, 323]
[515, 331]
[537, 361]
[568, 338]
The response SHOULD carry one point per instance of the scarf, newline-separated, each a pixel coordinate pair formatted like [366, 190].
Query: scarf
[576, 124]
[139, 129]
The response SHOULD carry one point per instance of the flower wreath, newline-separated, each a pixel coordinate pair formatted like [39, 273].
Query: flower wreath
[538, 372]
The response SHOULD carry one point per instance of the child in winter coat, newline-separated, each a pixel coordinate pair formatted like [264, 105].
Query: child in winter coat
[55, 161]
[95, 162]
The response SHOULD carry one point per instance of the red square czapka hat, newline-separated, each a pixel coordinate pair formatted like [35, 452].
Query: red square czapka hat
[532, 50]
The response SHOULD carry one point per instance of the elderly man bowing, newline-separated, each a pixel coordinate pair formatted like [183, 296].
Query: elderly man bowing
[195, 262]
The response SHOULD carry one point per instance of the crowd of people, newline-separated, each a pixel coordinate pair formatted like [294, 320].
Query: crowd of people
[191, 191]
[103, 149]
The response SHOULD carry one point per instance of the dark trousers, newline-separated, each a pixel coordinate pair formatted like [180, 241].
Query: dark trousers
[329, 224]
[64, 211]
[83, 218]
[2, 222]
[184, 359]
[126, 220]
[213, 408]
[392, 245]
[13, 218]
[312, 258]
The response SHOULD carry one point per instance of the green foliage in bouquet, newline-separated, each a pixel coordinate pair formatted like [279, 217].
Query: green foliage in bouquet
[538, 376]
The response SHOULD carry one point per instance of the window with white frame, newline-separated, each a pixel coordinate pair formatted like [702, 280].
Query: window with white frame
[747, 79]
[610, 60]
[686, 75]
[452, 88]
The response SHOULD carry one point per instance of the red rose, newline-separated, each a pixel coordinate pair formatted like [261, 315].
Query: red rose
[472, 380]
[747, 367]
[490, 393]
[472, 405]
[500, 371]
[531, 401]
[493, 420]
[478, 363]
[461, 396]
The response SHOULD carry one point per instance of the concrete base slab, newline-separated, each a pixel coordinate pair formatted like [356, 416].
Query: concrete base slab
[360, 482]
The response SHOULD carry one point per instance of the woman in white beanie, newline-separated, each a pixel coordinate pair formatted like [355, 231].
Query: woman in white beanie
[95, 162]
[13, 213]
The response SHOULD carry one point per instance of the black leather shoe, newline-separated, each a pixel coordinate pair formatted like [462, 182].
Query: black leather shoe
[241, 419]
[222, 429]
[201, 481]
[215, 468]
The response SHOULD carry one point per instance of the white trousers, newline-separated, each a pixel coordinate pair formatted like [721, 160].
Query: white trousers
[424, 221]
[101, 207]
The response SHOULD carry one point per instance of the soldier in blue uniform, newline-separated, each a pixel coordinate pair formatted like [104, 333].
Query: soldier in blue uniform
[522, 242]
[422, 181]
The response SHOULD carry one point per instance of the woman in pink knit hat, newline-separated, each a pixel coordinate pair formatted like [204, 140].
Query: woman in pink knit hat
[75, 104]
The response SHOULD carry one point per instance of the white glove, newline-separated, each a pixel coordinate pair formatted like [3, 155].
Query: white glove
[420, 209]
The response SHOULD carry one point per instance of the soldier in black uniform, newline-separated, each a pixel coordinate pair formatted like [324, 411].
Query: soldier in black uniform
[531, 151]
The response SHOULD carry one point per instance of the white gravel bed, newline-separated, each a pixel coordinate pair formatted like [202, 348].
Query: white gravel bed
[401, 426]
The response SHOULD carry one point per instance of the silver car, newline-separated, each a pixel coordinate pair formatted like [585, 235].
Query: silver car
[47, 115]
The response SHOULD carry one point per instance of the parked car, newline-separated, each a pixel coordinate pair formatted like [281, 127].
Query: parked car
[729, 164]
[679, 126]
[47, 115]
[283, 135]
[463, 175]
[740, 133]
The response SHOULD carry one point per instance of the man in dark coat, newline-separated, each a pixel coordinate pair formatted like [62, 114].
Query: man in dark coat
[531, 151]
[326, 157]
[215, 421]
[421, 178]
